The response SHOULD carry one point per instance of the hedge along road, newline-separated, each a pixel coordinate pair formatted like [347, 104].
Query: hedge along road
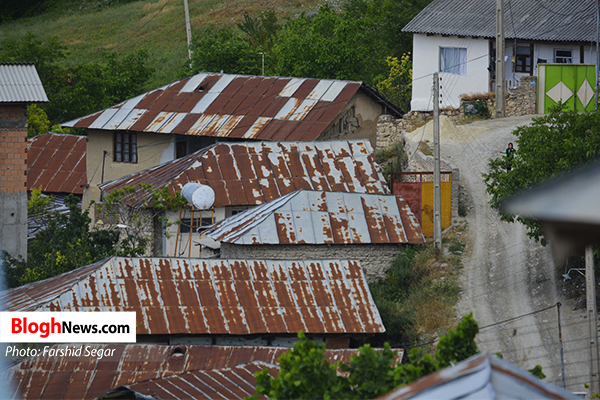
[506, 274]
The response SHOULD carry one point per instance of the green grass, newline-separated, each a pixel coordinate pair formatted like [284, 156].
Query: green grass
[87, 28]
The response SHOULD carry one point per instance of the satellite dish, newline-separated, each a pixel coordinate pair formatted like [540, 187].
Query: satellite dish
[200, 196]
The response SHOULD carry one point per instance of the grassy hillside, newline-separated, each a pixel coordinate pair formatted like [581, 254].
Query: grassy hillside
[87, 27]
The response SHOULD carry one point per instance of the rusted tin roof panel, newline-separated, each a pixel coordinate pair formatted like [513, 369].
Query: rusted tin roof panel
[56, 163]
[175, 371]
[319, 217]
[208, 296]
[252, 173]
[214, 97]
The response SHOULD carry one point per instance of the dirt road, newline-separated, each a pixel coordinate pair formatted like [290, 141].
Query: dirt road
[507, 278]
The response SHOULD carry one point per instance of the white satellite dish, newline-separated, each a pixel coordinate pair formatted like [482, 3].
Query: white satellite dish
[200, 196]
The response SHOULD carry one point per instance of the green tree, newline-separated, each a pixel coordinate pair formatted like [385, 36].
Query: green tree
[326, 46]
[224, 50]
[261, 31]
[306, 374]
[77, 90]
[551, 145]
[397, 87]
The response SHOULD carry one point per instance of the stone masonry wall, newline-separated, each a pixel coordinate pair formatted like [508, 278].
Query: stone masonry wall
[374, 258]
[520, 100]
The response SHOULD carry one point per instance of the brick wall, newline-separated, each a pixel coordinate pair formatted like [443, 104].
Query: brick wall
[374, 258]
[13, 148]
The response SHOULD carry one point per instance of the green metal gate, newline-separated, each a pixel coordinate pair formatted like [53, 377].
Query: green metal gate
[573, 84]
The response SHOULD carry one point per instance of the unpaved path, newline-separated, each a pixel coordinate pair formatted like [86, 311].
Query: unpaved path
[506, 275]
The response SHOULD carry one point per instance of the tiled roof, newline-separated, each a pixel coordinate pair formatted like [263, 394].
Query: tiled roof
[319, 217]
[548, 20]
[234, 106]
[252, 173]
[56, 163]
[219, 296]
[180, 371]
[20, 83]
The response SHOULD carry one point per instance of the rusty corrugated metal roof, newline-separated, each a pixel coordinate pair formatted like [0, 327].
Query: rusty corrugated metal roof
[149, 369]
[20, 83]
[252, 173]
[56, 163]
[235, 106]
[319, 217]
[214, 297]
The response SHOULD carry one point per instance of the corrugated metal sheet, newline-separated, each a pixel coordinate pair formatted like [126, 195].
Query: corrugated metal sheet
[222, 105]
[480, 377]
[253, 173]
[56, 163]
[161, 371]
[319, 217]
[20, 83]
[551, 20]
[200, 296]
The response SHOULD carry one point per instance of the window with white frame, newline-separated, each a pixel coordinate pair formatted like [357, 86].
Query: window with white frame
[563, 56]
[453, 60]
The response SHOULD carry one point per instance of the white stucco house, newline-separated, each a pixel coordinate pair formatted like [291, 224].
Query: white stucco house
[457, 39]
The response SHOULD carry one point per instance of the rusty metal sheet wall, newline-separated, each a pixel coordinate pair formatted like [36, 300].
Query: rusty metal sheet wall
[215, 105]
[253, 173]
[320, 217]
[186, 368]
[56, 163]
[201, 296]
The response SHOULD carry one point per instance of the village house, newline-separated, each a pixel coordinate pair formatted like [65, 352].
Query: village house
[244, 175]
[144, 370]
[218, 301]
[190, 114]
[20, 85]
[457, 39]
[372, 228]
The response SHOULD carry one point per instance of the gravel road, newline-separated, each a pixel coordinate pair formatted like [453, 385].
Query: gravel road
[506, 275]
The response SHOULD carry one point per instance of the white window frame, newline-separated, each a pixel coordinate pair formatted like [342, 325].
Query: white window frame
[453, 60]
[568, 60]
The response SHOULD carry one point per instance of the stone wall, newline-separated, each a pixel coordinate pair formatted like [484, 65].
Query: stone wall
[375, 259]
[520, 100]
[13, 179]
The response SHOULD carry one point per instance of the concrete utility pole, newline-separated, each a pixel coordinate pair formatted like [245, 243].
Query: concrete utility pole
[500, 53]
[188, 28]
[590, 292]
[437, 199]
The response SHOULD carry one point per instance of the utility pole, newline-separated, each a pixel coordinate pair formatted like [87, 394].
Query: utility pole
[500, 53]
[437, 199]
[262, 53]
[590, 291]
[188, 29]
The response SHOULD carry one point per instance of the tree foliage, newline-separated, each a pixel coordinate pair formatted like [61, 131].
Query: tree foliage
[397, 87]
[550, 146]
[306, 374]
[77, 90]
[224, 50]
[64, 244]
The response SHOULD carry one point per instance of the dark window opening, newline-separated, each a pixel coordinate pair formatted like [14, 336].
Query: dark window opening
[523, 59]
[563, 56]
[125, 149]
[186, 224]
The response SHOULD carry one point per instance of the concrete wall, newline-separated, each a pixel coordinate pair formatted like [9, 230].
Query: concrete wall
[375, 258]
[357, 120]
[13, 179]
[426, 50]
[153, 149]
